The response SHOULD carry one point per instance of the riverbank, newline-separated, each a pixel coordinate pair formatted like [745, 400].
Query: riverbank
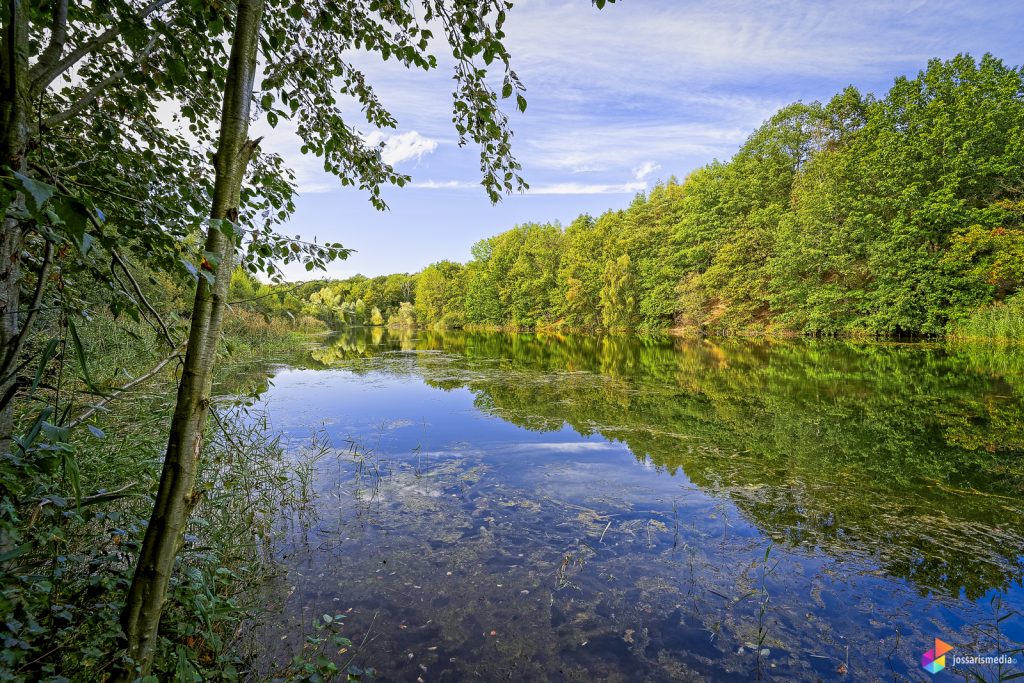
[999, 323]
[74, 526]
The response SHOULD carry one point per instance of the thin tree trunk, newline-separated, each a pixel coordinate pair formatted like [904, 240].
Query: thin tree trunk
[15, 108]
[175, 498]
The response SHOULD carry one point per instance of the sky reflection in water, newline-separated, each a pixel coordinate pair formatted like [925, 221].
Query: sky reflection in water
[572, 508]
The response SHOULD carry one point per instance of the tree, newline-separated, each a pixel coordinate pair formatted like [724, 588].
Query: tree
[581, 267]
[897, 179]
[175, 497]
[992, 257]
[113, 52]
[440, 290]
[531, 284]
[618, 296]
[483, 303]
[310, 41]
[93, 76]
[405, 317]
[831, 219]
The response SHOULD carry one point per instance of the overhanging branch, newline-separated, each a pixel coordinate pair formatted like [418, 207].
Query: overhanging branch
[41, 80]
[79, 105]
[116, 393]
[58, 36]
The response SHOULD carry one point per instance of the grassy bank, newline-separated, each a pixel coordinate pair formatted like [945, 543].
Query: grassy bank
[76, 502]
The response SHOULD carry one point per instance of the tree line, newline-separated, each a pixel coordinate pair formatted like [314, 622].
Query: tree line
[894, 215]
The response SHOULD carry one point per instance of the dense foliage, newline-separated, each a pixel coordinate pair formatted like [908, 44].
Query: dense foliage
[899, 215]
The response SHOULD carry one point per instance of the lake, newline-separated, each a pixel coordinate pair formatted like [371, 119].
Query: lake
[574, 508]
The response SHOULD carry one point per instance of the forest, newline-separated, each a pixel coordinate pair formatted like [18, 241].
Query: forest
[900, 215]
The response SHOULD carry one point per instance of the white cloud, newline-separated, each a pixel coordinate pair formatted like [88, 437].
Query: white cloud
[704, 41]
[443, 185]
[566, 447]
[402, 147]
[587, 188]
[579, 145]
[540, 189]
[645, 169]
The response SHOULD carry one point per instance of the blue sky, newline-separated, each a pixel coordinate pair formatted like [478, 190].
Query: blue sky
[618, 99]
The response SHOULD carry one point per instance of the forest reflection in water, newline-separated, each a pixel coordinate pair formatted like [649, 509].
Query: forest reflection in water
[618, 508]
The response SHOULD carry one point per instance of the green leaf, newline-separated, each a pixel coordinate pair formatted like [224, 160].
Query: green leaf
[48, 352]
[74, 477]
[224, 226]
[80, 353]
[178, 71]
[36, 193]
[74, 216]
[16, 552]
[190, 267]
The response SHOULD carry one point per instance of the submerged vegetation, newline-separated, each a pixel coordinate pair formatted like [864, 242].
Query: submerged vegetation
[630, 508]
[896, 215]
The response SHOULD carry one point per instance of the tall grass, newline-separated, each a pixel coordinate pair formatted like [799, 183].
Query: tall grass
[1002, 321]
[76, 503]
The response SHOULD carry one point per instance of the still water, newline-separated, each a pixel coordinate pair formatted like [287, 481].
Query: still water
[544, 507]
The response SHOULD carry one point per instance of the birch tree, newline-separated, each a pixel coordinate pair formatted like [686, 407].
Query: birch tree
[307, 46]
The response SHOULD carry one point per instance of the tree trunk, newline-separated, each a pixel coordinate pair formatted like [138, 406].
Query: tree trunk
[175, 498]
[15, 108]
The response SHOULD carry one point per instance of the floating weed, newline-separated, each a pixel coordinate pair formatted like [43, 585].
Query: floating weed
[572, 562]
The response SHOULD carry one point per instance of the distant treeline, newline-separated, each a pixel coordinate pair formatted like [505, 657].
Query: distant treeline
[899, 215]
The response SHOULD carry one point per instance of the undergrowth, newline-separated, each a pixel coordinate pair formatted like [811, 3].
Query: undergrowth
[74, 504]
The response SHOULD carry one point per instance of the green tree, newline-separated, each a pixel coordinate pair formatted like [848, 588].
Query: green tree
[618, 295]
[581, 268]
[144, 602]
[405, 318]
[877, 211]
[440, 290]
[830, 219]
[529, 289]
[993, 257]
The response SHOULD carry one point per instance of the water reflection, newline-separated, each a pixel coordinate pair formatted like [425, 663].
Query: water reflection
[912, 453]
[871, 468]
